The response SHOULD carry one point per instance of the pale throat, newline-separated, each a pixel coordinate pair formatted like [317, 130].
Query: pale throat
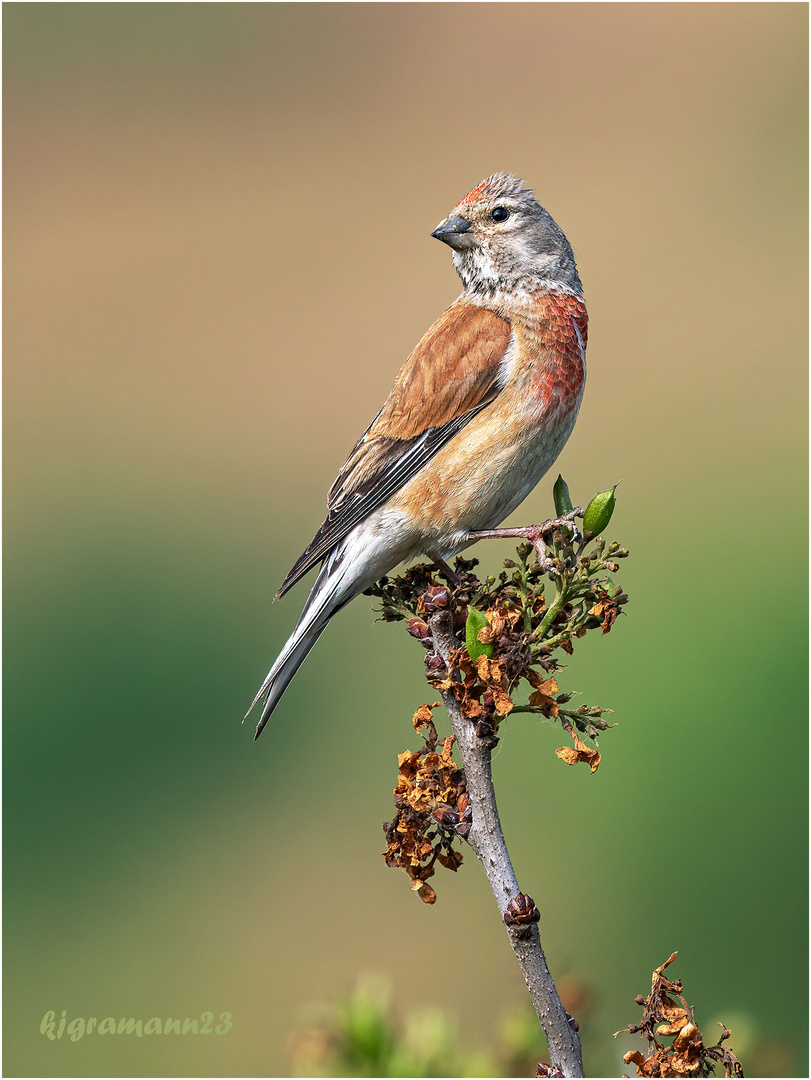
[483, 278]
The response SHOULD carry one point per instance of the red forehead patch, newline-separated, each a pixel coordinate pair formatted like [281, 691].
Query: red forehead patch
[473, 195]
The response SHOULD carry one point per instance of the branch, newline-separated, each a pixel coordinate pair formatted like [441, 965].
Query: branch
[487, 841]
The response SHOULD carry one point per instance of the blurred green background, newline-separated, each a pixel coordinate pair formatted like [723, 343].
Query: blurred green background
[217, 248]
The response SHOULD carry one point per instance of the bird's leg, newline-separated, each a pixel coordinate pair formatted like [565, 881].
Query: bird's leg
[447, 572]
[534, 533]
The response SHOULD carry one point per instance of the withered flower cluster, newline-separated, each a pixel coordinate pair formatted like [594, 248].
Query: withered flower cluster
[664, 1018]
[513, 625]
[432, 808]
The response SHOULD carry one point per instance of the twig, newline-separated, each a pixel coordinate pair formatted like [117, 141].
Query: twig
[487, 841]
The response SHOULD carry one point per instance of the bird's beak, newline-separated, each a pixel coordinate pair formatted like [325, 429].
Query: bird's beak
[455, 232]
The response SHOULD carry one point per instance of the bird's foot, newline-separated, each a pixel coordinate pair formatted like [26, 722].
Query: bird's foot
[567, 522]
[447, 572]
[536, 534]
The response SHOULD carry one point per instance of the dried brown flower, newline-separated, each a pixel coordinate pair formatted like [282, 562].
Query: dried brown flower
[663, 1017]
[427, 809]
[573, 755]
[606, 609]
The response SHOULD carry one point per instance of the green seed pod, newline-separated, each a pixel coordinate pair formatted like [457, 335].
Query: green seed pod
[476, 621]
[598, 512]
[560, 493]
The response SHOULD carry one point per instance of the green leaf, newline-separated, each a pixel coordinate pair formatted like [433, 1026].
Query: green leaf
[560, 493]
[476, 621]
[598, 512]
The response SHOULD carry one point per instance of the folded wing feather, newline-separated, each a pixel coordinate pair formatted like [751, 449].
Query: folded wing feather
[451, 375]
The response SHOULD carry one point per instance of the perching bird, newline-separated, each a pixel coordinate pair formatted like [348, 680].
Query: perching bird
[477, 414]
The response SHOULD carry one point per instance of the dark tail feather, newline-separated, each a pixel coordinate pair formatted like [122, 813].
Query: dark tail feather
[281, 674]
[326, 597]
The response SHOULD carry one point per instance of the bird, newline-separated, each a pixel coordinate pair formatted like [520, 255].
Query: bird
[477, 414]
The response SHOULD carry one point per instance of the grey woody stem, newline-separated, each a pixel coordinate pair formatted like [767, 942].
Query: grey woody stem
[487, 841]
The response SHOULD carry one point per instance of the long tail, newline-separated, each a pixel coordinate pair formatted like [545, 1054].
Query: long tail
[328, 595]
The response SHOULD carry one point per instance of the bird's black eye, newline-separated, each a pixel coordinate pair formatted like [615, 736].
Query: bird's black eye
[500, 213]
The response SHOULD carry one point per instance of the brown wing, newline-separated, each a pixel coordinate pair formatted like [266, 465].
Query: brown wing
[451, 376]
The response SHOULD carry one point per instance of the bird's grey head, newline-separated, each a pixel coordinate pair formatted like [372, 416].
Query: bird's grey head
[504, 240]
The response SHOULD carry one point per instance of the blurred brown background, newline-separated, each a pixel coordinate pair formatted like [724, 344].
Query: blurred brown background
[217, 254]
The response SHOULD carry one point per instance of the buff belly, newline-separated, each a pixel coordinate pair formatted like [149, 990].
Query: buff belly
[477, 480]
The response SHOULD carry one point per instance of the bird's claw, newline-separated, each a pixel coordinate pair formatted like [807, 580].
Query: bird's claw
[546, 564]
[540, 532]
[567, 522]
